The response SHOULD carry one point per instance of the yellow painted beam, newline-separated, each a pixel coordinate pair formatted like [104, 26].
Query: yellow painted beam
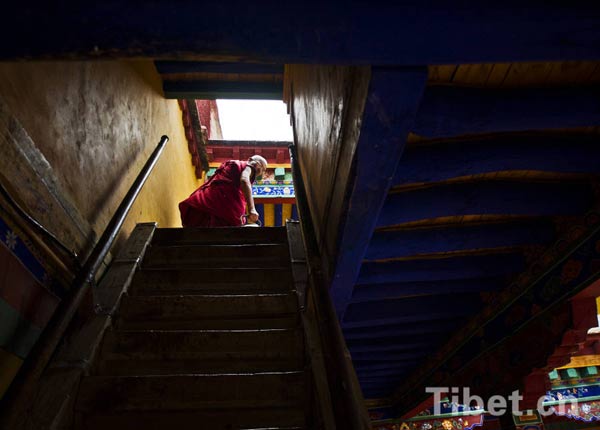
[269, 220]
[582, 361]
[286, 212]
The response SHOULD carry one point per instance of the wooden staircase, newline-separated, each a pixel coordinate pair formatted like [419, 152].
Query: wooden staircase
[208, 336]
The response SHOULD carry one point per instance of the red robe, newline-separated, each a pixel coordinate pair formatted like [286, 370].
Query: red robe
[220, 202]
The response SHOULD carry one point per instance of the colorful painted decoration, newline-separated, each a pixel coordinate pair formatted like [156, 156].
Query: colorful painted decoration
[573, 393]
[528, 421]
[273, 191]
[450, 423]
[583, 411]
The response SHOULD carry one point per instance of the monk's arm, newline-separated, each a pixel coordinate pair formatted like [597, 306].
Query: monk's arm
[246, 186]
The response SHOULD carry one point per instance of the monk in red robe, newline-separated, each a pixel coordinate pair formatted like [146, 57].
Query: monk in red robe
[222, 200]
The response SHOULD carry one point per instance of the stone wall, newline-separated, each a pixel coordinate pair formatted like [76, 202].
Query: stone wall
[96, 123]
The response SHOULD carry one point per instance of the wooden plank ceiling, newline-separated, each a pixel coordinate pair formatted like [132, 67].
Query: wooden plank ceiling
[501, 159]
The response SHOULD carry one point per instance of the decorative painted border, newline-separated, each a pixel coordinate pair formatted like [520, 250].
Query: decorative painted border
[21, 247]
[273, 191]
[466, 422]
[586, 411]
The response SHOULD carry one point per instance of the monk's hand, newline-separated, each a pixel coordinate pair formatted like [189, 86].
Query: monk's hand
[253, 216]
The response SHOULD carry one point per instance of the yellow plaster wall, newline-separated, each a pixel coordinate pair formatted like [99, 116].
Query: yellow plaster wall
[97, 123]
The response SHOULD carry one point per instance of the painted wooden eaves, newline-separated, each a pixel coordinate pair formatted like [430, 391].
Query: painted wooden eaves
[218, 80]
[486, 183]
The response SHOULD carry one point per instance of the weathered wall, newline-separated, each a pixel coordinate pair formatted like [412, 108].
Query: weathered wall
[96, 123]
[73, 137]
[326, 103]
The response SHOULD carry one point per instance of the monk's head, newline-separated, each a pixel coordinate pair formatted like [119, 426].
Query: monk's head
[259, 163]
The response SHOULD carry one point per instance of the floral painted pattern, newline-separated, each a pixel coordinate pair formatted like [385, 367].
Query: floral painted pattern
[11, 240]
[588, 411]
[454, 423]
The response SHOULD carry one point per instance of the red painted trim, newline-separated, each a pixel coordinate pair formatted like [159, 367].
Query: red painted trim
[191, 137]
[203, 107]
[273, 154]
[275, 201]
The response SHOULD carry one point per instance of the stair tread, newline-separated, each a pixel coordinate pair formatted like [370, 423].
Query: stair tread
[194, 391]
[265, 418]
[206, 280]
[202, 344]
[208, 334]
[202, 307]
[291, 321]
[136, 367]
[245, 255]
[201, 235]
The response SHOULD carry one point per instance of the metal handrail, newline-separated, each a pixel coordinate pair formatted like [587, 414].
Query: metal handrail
[23, 386]
[352, 414]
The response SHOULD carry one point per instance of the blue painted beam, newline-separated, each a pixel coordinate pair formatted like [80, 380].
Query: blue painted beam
[375, 393]
[408, 32]
[382, 372]
[486, 198]
[170, 67]
[396, 343]
[211, 90]
[380, 381]
[405, 243]
[392, 101]
[278, 215]
[424, 328]
[394, 351]
[363, 293]
[417, 308]
[425, 163]
[391, 345]
[375, 365]
[402, 359]
[453, 111]
[260, 208]
[377, 390]
[375, 321]
[441, 269]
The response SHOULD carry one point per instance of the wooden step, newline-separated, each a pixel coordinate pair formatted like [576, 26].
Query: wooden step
[213, 256]
[193, 312]
[110, 394]
[265, 418]
[208, 351]
[219, 236]
[211, 281]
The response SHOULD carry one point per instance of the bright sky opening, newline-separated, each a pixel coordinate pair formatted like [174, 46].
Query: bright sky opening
[254, 120]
